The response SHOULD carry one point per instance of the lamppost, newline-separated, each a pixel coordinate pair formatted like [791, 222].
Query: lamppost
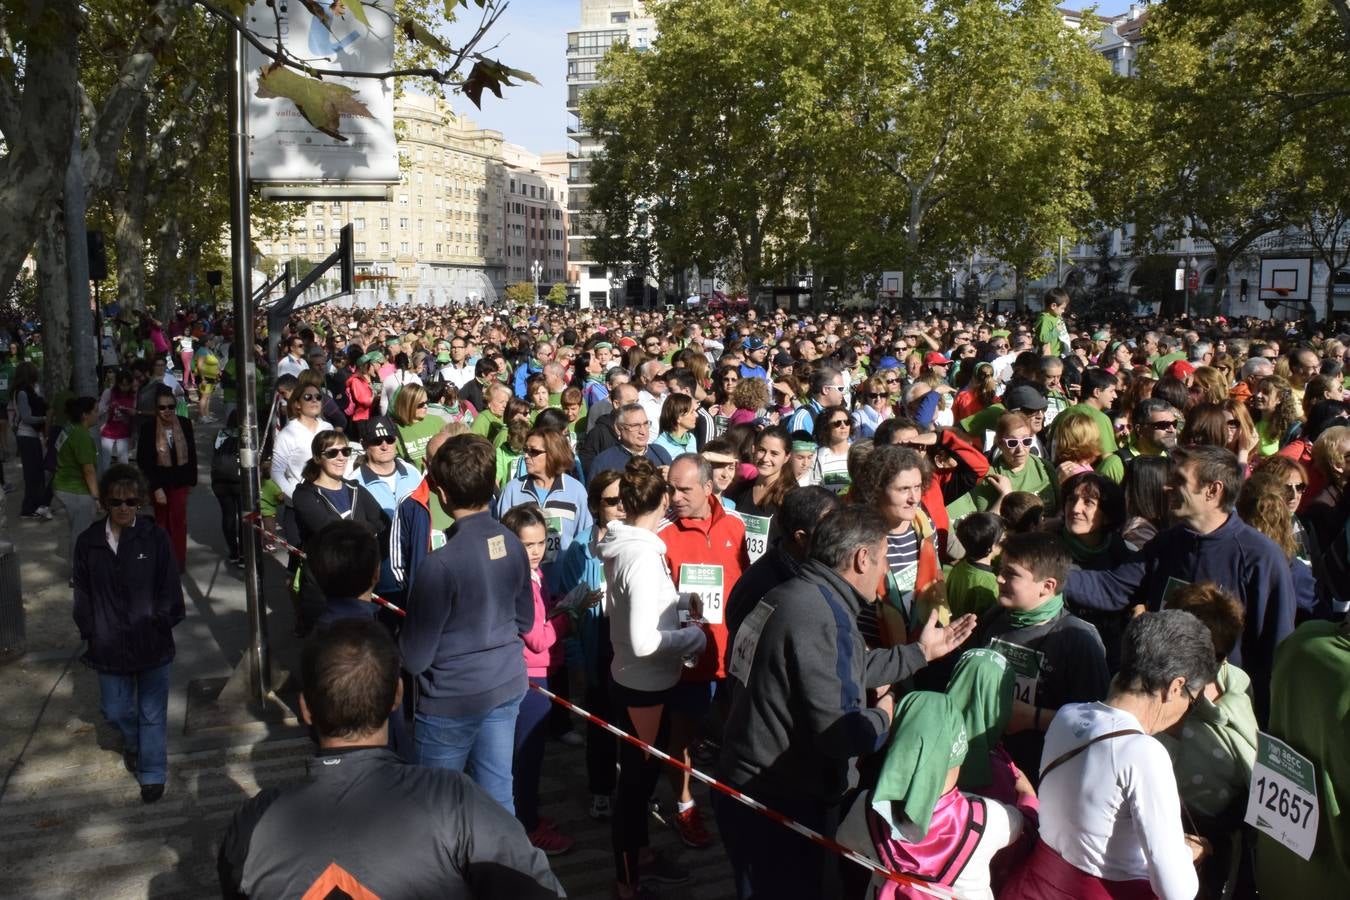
[536, 269]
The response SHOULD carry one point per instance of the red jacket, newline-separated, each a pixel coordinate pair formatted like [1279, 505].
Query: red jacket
[718, 540]
[933, 504]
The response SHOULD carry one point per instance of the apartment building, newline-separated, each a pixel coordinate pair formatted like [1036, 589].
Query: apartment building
[604, 23]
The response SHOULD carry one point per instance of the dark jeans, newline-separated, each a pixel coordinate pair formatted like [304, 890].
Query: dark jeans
[37, 489]
[230, 524]
[638, 774]
[767, 859]
[531, 741]
[602, 749]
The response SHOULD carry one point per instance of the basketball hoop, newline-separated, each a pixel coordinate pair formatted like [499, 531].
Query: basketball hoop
[1283, 292]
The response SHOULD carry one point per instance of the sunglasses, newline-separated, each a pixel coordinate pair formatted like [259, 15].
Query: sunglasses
[169, 408]
[380, 441]
[611, 502]
[114, 502]
[1014, 443]
[311, 398]
[335, 452]
[423, 405]
[1163, 426]
[1295, 489]
[532, 452]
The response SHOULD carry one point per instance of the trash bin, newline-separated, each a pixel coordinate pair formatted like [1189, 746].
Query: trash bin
[12, 637]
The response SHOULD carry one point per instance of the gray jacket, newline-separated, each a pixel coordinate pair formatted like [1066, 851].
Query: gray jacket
[799, 673]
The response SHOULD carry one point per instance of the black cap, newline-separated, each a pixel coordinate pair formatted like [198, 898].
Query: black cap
[378, 427]
[782, 359]
[1024, 396]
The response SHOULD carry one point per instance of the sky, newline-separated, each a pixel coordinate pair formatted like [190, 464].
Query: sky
[532, 35]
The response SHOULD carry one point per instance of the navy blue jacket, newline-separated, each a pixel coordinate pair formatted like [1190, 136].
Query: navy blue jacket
[470, 603]
[127, 603]
[1234, 556]
[617, 457]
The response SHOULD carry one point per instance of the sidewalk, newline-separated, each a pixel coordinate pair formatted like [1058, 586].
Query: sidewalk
[70, 816]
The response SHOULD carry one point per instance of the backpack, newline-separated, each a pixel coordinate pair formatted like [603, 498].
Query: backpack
[225, 461]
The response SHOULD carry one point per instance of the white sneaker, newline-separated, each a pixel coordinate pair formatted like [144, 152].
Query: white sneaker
[600, 808]
[44, 512]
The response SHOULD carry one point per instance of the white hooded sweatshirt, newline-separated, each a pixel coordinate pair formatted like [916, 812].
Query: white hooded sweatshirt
[644, 625]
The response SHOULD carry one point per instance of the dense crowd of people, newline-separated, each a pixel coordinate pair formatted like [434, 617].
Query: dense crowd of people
[1014, 605]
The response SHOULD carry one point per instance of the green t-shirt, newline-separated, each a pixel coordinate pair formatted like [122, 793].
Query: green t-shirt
[1270, 443]
[979, 424]
[75, 449]
[1162, 362]
[489, 426]
[1050, 330]
[413, 440]
[1035, 478]
[1103, 421]
[1113, 467]
[6, 379]
[971, 588]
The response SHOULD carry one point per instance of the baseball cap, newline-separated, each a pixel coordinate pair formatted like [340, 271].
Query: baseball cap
[888, 362]
[782, 359]
[1024, 396]
[378, 427]
[933, 358]
[602, 345]
[753, 342]
[626, 342]
[1180, 369]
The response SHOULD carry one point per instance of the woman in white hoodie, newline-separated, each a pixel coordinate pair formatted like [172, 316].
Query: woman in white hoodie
[650, 645]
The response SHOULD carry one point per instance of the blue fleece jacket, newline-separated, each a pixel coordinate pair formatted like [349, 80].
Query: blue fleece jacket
[470, 603]
[409, 524]
[563, 504]
[1234, 556]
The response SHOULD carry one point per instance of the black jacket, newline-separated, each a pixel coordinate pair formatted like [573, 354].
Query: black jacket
[397, 830]
[313, 511]
[598, 439]
[127, 604]
[166, 476]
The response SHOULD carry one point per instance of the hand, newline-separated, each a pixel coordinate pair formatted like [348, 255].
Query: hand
[936, 641]
[160, 497]
[879, 692]
[695, 606]
[1199, 847]
[886, 703]
[1023, 785]
[1000, 483]
[1066, 470]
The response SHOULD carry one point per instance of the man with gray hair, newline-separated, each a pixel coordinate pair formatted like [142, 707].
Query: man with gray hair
[634, 430]
[602, 432]
[1202, 353]
[1255, 369]
[800, 678]
[652, 393]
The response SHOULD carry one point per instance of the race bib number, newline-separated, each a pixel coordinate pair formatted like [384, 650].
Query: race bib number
[706, 581]
[900, 591]
[756, 534]
[1173, 585]
[1026, 666]
[747, 642]
[720, 424]
[1282, 802]
[836, 481]
[553, 542]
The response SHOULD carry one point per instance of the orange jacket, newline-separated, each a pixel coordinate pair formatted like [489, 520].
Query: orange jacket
[718, 540]
[929, 594]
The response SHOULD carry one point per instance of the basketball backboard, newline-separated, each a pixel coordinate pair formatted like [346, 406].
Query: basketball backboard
[1286, 278]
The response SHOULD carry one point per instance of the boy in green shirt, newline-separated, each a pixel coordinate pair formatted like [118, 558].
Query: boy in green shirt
[1051, 334]
[972, 584]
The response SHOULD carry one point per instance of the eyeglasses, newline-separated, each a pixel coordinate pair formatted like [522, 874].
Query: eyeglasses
[169, 408]
[833, 387]
[114, 502]
[335, 452]
[1298, 489]
[311, 398]
[380, 441]
[1169, 425]
[611, 502]
[892, 380]
[532, 452]
[1014, 443]
[839, 423]
[638, 426]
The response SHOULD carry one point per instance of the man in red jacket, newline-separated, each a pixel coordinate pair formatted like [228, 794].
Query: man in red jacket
[705, 549]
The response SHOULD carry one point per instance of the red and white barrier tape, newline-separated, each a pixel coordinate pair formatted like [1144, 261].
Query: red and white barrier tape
[815, 837]
[254, 521]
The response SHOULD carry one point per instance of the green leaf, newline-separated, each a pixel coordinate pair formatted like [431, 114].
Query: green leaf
[418, 32]
[354, 7]
[321, 103]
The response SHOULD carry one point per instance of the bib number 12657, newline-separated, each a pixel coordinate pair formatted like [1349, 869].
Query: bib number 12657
[1282, 802]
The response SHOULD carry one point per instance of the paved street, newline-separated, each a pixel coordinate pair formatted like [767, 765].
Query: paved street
[70, 816]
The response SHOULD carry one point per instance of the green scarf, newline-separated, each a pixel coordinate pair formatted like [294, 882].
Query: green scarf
[1080, 551]
[1023, 618]
[595, 379]
[928, 739]
[982, 688]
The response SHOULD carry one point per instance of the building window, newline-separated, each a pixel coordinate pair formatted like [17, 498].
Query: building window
[360, 247]
[358, 224]
[402, 199]
[384, 223]
[618, 18]
[384, 247]
[403, 247]
[402, 223]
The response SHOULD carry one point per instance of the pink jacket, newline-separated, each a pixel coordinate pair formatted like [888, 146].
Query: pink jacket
[543, 642]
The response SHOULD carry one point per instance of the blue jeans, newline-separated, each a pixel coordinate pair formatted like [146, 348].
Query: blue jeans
[138, 704]
[480, 745]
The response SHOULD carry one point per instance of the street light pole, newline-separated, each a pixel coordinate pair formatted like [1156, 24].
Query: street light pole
[256, 653]
[536, 269]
